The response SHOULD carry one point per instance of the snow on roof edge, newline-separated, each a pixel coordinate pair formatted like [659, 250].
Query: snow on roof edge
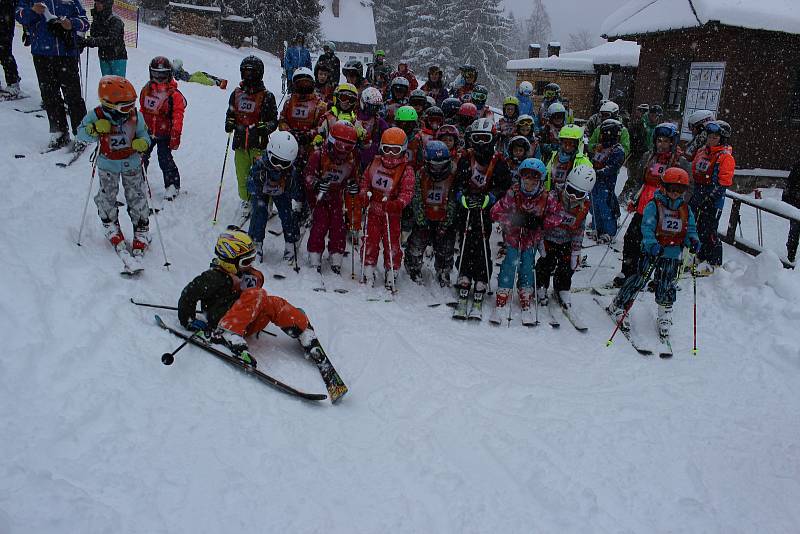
[619, 52]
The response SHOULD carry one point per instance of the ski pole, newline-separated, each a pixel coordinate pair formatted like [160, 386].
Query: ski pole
[608, 247]
[535, 295]
[155, 218]
[389, 243]
[88, 193]
[694, 310]
[514, 280]
[221, 176]
[174, 308]
[486, 256]
[365, 226]
[168, 358]
[463, 243]
[643, 283]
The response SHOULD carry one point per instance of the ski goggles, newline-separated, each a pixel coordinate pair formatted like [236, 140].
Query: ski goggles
[248, 259]
[122, 107]
[575, 193]
[343, 146]
[549, 94]
[675, 188]
[371, 109]
[279, 163]
[346, 98]
[530, 174]
[481, 138]
[478, 97]
[392, 150]
[438, 167]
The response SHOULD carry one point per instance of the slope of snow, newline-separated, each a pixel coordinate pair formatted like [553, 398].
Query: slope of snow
[645, 16]
[448, 427]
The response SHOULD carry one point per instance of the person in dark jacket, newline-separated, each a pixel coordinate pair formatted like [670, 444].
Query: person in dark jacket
[7, 8]
[107, 34]
[330, 60]
[791, 195]
[296, 56]
[52, 26]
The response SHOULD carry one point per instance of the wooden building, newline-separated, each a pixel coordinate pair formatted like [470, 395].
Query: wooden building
[208, 21]
[739, 59]
[605, 71]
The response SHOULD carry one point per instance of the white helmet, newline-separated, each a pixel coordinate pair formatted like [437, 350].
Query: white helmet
[582, 178]
[302, 72]
[526, 88]
[281, 149]
[371, 96]
[399, 80]
[609, 107]
[177, 64]
[556, 107]
[701, 116]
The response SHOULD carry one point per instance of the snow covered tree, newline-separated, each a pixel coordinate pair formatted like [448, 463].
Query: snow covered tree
[429, 39]
[480, 37]
[390, 26]
[537, 25]
[276, 21]
[583, 39]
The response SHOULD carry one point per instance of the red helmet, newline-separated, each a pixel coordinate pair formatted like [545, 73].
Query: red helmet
[468, 109]
[160, 70]
[342, 137]
[675, 175]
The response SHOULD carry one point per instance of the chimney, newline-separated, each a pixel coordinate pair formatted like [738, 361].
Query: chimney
[335, 8]
[553, 48]
[534, 50]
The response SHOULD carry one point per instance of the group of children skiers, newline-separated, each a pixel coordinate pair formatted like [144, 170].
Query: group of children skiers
[401, 169]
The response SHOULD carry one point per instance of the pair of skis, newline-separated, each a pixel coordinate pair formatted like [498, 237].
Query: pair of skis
[639, 344]
[333, 382]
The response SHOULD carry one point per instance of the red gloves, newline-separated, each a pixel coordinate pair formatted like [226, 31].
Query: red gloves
[174, 141]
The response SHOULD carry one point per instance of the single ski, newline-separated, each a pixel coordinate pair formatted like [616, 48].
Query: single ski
[333, 382]
[629, 334]
[236, 362]
[574, 318]
[665, 352]
[527, 318]
[598, 290]
[72, 158]
[551, 312]
[462, 305]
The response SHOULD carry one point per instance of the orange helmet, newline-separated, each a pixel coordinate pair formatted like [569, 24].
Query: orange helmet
[393, 141]
[116, 93]
[342, 137]
[675, 175]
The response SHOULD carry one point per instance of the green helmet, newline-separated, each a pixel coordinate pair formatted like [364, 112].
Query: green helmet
[513, 100]
[405, 114]
[571, 131]
[380, 53]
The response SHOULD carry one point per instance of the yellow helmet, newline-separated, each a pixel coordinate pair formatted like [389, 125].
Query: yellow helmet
[234, 247]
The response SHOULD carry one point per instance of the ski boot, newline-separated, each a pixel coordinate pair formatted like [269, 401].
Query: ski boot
[141, 241]
[618, 314]
[500, 303]
[704, 269]
[57, 140]
[390, 281]
[12, 90]
[664, 320]
[223, 84]
[243, 213]
[463, 299]
[476, 311]
[525, 295]
[236, 344]
[315, 260]
[288, 254]
[171, 192]
[335, 260]
[259, 246]
[618, 280]
[541, 296]
[310, 343]
[369, 275]
[114, 234]
[565, 299]
[415, 275]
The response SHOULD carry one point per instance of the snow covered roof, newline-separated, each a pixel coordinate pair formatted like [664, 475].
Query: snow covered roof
[648, 16]
[619, 52]
[355, 23]
[195, 8]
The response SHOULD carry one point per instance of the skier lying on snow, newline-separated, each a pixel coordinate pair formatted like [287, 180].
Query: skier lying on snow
[235, 304]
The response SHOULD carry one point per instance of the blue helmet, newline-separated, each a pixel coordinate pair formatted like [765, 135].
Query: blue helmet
[437, 158]
[666, 129]
[537, 166]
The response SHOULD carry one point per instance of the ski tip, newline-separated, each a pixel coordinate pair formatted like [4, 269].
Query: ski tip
[159, 320]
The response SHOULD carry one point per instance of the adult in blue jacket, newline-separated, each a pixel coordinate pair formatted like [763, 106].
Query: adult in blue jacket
[52, 26]
[296, 56]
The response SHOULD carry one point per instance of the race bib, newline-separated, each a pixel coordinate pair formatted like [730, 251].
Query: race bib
[334, 176]
[478, 178]
[246, 105]
[671, 222]
[382, 182]
[300, 112]
[702, 165]
[152, 103]
[435, 195]
[657, 169]
[247, 281]
[118, 141]
[568, 219]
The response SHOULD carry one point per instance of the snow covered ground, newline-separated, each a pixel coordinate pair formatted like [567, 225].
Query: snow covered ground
[448, 427]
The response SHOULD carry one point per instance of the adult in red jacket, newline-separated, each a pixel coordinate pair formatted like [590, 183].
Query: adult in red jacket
[387, 187]
[162, 106]
[712, 171]
[404, 72]
[332, 169]
[663, 155]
